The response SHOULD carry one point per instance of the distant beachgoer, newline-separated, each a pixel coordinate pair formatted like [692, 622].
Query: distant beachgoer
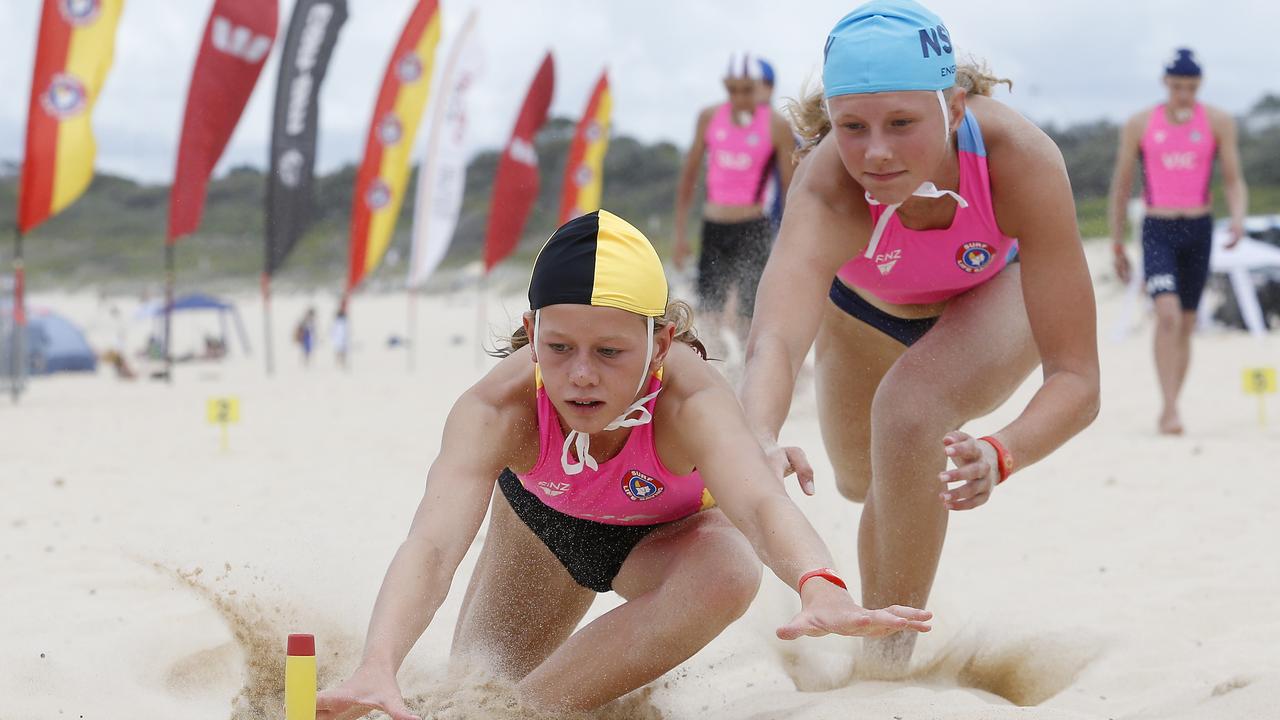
[339, 336]
[927, 313]
[623, 464]
[738, 138]
[304, 334]
[1176, 142]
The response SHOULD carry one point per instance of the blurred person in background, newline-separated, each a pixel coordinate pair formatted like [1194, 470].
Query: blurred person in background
[741, 139]
[1176, 143]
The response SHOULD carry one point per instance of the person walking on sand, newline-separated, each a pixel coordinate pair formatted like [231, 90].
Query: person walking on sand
[653, 489]
[737, 137]
[1176, 143]
[898, 255]
[304, 334]
[340, 336]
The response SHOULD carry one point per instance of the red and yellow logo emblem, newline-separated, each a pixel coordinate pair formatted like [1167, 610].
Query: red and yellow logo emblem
[974, 256]
[641, 487]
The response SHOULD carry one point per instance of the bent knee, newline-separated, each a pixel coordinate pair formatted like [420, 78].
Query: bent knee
[906, 409]
[729, 575]
[733, 591]
[1168, 312]
[853, 485]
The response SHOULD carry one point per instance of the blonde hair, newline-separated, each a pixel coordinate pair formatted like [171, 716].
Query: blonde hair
[811, 122]
[678, 313]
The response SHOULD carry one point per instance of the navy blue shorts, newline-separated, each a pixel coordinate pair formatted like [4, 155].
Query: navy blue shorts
[1175, 257]
[905, 330]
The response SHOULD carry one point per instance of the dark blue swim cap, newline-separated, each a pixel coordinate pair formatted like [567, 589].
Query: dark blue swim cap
[1183, 64]
[766, 72]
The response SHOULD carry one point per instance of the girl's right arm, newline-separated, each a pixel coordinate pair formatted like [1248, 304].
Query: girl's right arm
[684, 190]
[459, 485]
[820, 231]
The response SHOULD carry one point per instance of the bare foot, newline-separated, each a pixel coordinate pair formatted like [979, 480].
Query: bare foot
[1170, 424]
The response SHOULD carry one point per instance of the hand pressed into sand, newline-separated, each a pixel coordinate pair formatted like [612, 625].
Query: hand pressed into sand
[976, 470]
[367, 689]
[826, 608]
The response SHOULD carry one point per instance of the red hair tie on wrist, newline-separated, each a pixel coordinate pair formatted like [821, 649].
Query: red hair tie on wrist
[825, 573]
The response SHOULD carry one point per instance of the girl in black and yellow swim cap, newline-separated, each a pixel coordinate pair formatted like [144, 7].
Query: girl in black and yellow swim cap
[607, 484]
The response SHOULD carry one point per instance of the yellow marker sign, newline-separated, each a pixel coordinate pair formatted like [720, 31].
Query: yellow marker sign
[223, 411]
[1260, 381]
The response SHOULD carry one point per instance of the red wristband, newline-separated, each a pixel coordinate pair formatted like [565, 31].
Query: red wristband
[825, 573]
[1004, 460]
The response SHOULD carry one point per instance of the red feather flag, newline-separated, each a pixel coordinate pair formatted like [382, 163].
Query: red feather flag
[237, 39]
[515, 186]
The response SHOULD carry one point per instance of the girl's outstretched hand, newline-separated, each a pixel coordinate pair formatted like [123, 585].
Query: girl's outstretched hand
[362, 693]
[828, 609]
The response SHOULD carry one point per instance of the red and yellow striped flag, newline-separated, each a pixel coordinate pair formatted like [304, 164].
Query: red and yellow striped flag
[584, 171]
[384, 174]
[73, 55]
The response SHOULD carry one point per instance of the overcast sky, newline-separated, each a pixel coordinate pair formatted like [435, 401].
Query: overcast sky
[1070, 62]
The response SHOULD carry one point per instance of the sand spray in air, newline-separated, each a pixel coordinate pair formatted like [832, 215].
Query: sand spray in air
[1023, 669]
[463, 690]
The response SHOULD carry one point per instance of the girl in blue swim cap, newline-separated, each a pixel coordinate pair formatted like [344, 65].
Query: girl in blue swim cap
[916, 198]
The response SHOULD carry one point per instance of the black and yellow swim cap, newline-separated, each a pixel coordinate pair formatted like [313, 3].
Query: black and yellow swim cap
[599, 259]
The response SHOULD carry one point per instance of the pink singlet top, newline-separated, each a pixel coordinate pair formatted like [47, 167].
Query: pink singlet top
[738, 156]
[1177, 160]
[917, 267]
[631, 488]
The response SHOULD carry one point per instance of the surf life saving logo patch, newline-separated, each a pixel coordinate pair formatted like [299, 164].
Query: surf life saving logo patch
[641, 487]
[974, 256]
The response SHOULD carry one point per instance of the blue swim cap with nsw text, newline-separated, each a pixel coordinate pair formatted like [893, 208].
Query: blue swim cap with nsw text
[888, 46]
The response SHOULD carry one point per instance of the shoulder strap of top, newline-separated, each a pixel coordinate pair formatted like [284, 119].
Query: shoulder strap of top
[969, 135]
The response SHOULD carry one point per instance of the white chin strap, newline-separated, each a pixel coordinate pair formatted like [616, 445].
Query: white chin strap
[581, 442]
[926, 189]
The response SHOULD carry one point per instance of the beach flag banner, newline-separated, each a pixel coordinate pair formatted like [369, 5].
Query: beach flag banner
[384, 173]
[443, 171]
[304, 60]
[73, 56]
[235, 44]
[234, 48]
[222, 411]
[584, 170]
[74, 49]
[1260, 381]
[515, 186]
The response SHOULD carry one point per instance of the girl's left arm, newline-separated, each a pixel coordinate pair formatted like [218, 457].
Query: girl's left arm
[714, 437]
[1034, 203]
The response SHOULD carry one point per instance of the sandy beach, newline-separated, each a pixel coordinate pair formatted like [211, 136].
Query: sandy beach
[148, 573]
